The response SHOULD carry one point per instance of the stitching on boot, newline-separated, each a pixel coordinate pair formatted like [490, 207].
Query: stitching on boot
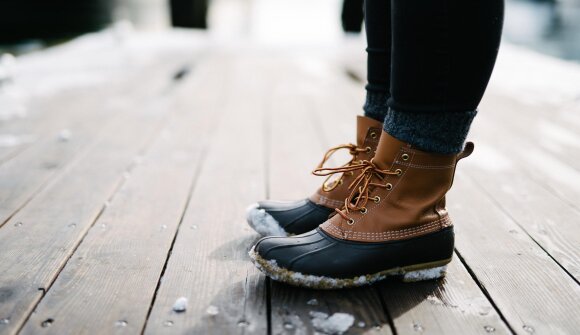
[395, 234]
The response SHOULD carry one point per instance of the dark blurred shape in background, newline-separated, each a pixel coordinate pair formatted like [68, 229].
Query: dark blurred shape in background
[189, 13]
[352, 16]
[548, 26]
[51, 19]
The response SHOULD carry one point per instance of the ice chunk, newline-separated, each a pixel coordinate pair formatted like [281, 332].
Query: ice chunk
[263, 222]
[312, 302]
[64, 135]
[337, 323]
[212, 310]
[180, 305]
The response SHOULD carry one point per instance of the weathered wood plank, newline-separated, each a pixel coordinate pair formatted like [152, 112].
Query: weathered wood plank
[532, 292]
[136, 230]
[296, 130]
[509, 174]
[85, 117]
[41, 237]
[81, 78]
[209, 262]
[453, 305]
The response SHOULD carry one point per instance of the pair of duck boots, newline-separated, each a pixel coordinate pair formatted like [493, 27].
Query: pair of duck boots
[380, 214]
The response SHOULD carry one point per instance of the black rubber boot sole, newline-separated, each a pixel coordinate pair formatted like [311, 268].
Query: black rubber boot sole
[319, 260]
[409, 273]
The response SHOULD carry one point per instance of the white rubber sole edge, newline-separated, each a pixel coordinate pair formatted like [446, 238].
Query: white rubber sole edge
[262, 222]
[412, 273]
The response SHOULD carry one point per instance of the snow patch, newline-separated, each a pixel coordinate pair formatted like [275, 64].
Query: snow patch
[9, 140]
[312, 302]
[64, 135]
[337, 323]
[262, 222]
[552, 81]
[212, 310]
[426, 274]
[180, 305]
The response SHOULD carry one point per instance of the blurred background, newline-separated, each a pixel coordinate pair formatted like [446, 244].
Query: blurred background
[551, 27]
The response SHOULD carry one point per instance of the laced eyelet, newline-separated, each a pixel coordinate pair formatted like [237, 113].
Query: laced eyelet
[350, 222]
[368, 150]
[389, 186]
[399, 172]
[377, 199]
[405, 157]
[351, 173]
[373, 134]
[363, 210]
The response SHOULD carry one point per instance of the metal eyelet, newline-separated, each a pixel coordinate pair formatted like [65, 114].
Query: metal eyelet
[389, 186]
[377, 199]
[368, 150]
[399, 172]
[350, 222]
[363, 210]
[373, 134]
[405, 157]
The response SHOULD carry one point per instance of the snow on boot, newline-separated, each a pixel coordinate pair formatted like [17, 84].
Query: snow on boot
[278, 218]
[392, 223]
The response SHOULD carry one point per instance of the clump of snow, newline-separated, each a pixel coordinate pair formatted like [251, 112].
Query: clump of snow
[426, 274]
[64, 135]
[262, 222]
[212, 310]
[337, 323]
[180, 305]
[312, 302]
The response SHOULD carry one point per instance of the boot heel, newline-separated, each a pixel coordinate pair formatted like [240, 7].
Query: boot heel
[425, 274]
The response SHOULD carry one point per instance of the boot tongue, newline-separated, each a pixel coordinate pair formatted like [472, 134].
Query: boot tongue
[388, 150]
[363, 125]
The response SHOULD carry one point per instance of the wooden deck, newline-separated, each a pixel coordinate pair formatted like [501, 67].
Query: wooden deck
[126, 164]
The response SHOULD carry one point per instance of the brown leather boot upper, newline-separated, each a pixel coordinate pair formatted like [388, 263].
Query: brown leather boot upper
[334, 191]
[399, 194]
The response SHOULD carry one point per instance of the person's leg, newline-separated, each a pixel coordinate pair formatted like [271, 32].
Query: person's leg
[377, 16]
[394, 220]
[443, 55]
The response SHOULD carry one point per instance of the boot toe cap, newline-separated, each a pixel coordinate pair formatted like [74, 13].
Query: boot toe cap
[277, 218]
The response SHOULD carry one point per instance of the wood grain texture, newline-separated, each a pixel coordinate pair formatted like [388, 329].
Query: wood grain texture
[136, 230]
[512, 176]
[209, 263]
[41, 237]
[532, 292]
[453, 305]
[86, 116]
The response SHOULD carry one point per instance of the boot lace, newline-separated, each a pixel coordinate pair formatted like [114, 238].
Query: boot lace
[353, 150]
[360, 187]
